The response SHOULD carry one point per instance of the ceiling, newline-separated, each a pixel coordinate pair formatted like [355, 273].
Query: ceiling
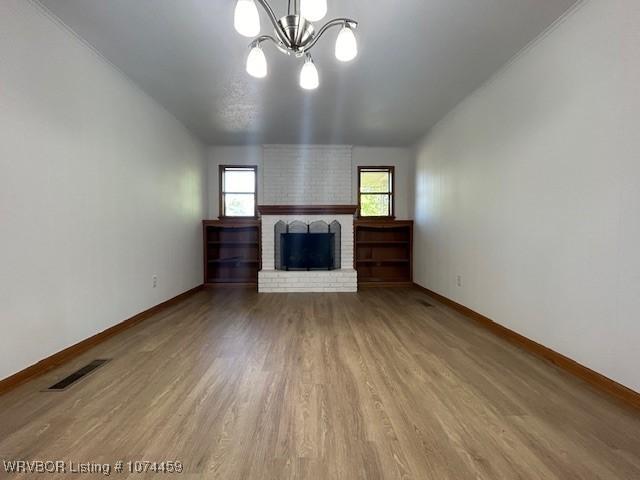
[418, 58]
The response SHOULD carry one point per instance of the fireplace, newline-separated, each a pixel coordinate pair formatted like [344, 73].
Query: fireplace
[307, 249]
[304, 247]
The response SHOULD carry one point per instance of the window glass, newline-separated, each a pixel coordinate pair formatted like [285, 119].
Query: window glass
[238, 191]
[374, 182]
[374, 205]
[237, 181]
[239, 205]
[376, 191]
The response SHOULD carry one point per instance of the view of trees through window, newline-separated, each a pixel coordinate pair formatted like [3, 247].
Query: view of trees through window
[376, 191]
[238, 191]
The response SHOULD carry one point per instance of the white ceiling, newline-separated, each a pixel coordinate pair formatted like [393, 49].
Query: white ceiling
[418, 58]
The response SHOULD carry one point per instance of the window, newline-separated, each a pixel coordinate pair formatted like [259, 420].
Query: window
[238, 189]
[375, 191]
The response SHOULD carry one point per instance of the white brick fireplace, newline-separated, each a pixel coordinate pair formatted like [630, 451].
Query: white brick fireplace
[310, 175]
[271, 280]
[298, 183]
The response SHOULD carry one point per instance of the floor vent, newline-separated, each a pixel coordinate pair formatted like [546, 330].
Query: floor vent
[78, 374]
[425, 303]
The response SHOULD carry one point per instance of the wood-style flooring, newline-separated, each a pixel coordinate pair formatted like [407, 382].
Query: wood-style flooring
[382, 384]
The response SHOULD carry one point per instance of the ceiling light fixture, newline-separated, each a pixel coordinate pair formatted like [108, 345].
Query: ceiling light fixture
[295, 35]
[346, 45]
[257, 63]
[313, 10]
[309, 78]
[246, 18]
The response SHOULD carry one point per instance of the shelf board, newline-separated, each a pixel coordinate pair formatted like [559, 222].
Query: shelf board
[230, 242]
[233, 261]
[393, 260]
[382, 243]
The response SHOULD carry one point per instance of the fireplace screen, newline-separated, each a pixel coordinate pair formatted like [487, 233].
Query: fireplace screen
[301, 247]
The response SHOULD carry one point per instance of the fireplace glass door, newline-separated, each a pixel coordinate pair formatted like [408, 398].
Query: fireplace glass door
[307, 251]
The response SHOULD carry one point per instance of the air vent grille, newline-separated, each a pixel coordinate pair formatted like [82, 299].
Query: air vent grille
[78, 374]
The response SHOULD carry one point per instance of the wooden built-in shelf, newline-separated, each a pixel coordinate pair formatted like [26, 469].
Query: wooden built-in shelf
[380, 262]
[234, 243]
[229, 260]
[383, 252]
[382, 243]
[231, 251]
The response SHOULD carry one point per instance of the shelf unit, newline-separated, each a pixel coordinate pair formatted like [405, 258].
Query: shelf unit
[231, 252]
[384, 252]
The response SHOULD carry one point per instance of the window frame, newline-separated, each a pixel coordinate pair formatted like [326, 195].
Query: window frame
[391, 194]
[222, 192]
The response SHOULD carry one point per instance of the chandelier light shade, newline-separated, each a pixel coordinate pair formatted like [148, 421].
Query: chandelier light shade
[313, 10]
[294, 35]
[246, 18]
[309, 78]
[346, 45]
[257, 63]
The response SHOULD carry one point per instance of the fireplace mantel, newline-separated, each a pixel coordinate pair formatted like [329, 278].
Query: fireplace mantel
[307, 209]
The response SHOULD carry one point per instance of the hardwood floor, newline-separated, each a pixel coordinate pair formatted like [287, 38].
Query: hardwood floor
[382, 384]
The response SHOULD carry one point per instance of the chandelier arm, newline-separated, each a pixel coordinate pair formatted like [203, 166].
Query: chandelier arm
[336, 22]
[274, 20]
[279, 45]
[258, 40]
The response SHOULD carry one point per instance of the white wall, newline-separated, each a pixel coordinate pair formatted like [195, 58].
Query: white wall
[530, 190]
[100, 188]
[401, 158]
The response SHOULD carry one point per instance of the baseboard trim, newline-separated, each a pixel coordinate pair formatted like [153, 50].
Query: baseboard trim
[69, 353]
[597, 380]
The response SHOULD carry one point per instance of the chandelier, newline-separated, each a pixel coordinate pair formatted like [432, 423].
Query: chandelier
[295, 35]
